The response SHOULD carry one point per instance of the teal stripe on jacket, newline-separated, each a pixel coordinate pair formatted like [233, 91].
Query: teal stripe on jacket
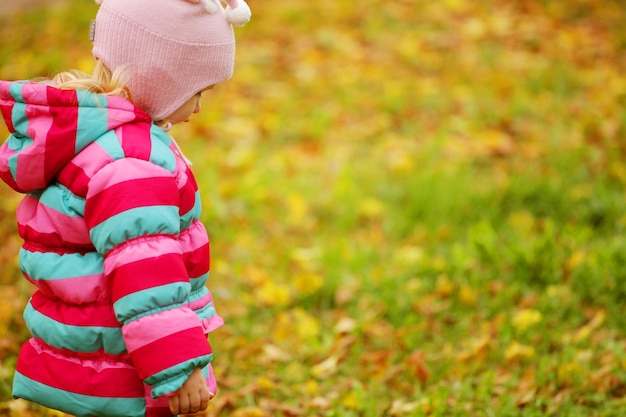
[160, 152]
[197, 283]
[16, 90]
[173, 378]
[193, 214]
[111, 145]
[18, 117]
[76, 404]
[207, 311]
[130, 224]
[12, 160]
[52, 266]
[76, 338]
[90, 119]
[61, 199]
[17, 142]
[135, 305]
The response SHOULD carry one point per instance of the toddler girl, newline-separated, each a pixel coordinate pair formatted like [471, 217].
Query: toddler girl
[110, 214]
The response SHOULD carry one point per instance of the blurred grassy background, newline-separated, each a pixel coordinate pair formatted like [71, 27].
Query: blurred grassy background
[416, 208]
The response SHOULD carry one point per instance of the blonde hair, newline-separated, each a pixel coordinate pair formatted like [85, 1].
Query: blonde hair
[101, 81]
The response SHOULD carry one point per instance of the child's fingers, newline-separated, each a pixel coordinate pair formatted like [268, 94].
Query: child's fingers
[174, 404]
[185, 406]
[199, 400]
[204, 404]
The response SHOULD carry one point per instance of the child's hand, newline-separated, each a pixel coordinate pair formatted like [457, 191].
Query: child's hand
[192, 397]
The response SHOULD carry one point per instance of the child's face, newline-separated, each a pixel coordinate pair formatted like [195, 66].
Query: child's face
[191, 106]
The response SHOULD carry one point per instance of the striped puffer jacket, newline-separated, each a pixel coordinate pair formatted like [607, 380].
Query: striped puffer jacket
[115, 250]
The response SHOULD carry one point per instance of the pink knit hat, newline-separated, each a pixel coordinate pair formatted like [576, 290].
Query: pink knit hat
[172, 48]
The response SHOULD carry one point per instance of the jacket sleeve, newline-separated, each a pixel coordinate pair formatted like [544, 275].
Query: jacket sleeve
[132, 211]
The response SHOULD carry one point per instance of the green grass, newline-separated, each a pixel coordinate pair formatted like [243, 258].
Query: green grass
[415, 210]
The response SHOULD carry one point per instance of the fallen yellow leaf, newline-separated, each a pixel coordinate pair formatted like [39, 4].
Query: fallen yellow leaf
[526, 318]
[307, 284]
[274, 295]
[326, 368]
[468, 296]
[517, 352]
[249, 412]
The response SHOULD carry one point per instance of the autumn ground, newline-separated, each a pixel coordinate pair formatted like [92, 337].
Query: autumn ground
[416, 208]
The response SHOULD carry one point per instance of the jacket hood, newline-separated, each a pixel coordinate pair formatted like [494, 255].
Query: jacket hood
[49, 127]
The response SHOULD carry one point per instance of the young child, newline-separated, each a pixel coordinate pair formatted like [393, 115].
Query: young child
[110, 215]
